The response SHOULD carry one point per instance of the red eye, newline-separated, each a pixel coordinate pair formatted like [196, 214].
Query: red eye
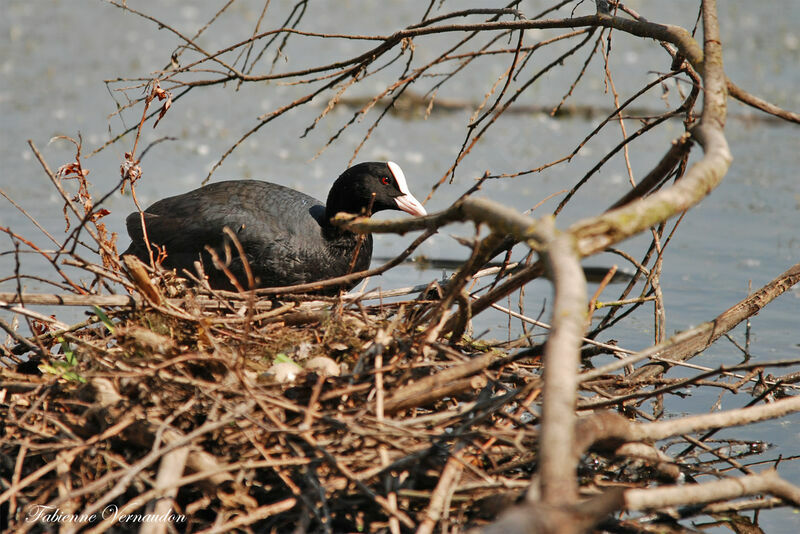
[385, 180]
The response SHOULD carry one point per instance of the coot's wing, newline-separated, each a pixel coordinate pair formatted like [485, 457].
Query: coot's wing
[283, 239]
[185, 224]
[275, 225]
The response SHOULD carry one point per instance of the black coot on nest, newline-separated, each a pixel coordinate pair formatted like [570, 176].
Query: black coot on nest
[286, 235]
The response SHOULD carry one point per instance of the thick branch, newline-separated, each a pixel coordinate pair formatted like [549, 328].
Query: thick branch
[614, 428]
[501, 219]
[557, 464]
[596, 233]
[718, 490]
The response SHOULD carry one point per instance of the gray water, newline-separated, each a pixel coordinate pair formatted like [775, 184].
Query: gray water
[54, 56]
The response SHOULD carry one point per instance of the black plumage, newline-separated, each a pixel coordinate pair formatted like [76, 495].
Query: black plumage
[286, 235]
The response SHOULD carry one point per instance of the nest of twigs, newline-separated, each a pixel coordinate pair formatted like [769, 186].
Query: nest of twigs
[209, 412]
[191, 404]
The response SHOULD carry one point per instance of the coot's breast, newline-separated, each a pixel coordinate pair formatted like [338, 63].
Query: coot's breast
[283, 232]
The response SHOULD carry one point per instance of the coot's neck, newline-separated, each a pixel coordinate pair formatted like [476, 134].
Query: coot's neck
[345, 196]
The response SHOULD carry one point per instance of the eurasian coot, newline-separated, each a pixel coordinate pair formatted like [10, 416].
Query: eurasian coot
[286, 235]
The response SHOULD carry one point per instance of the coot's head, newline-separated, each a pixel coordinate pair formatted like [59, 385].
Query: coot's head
[354, 190]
